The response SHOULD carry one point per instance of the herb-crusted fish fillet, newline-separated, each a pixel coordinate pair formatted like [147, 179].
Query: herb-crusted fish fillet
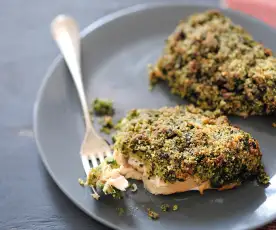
[218, 65]
[179, 149]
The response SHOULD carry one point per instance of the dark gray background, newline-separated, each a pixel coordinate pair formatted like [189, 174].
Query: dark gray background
[29, 199]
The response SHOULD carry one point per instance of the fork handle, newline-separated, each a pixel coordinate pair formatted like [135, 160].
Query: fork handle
[66, 34]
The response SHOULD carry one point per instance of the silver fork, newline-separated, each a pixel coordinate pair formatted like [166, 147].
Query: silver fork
[66, 34]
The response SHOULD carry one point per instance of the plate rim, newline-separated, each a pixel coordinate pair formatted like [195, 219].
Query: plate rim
[86, 31]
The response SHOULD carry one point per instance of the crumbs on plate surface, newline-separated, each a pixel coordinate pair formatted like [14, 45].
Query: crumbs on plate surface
[152, 214]
[102, 107]
[165, 207]
[81, 182]
[106, 124]
[175, 207]
[120, 211]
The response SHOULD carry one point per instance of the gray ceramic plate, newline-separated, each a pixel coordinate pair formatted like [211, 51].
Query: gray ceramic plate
[115, 52]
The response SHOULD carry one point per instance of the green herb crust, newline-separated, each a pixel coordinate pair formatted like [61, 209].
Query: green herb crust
[179, 142]
[102, 107]
[107, 124]
[218, 65]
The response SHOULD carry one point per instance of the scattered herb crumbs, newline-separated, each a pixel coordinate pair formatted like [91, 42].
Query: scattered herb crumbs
[117, 194]
[114, 192]
[152, 215]
[121, 211]
[81, 182]
[175, 207]
[274, 124]
[105, 130]
[107, 124]
[102, 107]
[133, 188]
[165, 207]
[95, 196]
